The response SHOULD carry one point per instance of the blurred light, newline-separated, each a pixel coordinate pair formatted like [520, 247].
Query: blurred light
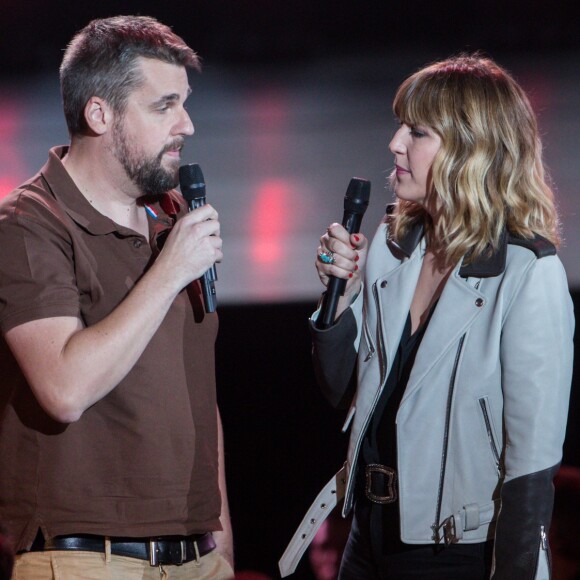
[271, 221]
[269, 115]
[12, 166]
[270, 108]
[7, 184]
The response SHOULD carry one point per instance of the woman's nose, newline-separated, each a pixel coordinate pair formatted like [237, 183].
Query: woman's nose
[397, 144]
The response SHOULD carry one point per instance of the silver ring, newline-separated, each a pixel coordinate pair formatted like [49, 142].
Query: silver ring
[326, 257]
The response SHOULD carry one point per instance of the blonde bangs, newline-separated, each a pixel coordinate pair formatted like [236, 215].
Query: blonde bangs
[488, 173]
[417, 101]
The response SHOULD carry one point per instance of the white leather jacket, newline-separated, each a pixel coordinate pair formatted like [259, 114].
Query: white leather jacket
[481, 425]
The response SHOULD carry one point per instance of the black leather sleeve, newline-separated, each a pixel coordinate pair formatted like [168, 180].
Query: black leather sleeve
[526, 506]
[334, 359]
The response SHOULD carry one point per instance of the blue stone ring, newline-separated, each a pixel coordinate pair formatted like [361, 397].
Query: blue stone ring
[326, 257]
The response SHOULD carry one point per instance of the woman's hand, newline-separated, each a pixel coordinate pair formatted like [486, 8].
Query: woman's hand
[343, 256]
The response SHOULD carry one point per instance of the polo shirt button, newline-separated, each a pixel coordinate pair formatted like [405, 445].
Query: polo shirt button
[384, 284]
[137, 243]
[479, 302]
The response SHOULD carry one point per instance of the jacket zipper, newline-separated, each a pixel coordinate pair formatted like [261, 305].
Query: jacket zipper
[382, 353]
[437, 525]
[545, 546]
[382, 362]
[487, 420]
[370, 345]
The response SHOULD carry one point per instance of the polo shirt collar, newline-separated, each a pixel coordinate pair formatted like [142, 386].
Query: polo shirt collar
[84, 214]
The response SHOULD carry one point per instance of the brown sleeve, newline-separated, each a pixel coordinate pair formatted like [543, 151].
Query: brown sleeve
[37, 278]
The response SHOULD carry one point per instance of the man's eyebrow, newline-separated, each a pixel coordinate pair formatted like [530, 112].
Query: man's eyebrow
[171, 98]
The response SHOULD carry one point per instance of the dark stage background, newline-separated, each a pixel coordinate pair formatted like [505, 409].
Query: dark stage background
[294, 100]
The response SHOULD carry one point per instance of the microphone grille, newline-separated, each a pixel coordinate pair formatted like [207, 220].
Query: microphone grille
[357, 195]
[191, 181]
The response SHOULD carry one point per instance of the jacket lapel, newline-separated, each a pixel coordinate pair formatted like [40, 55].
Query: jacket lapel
[457, 309]
[394, 292]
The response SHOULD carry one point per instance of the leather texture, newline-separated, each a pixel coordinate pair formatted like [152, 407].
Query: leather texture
[487, 400]
[325, 502]
[526, 511]
[167, 551]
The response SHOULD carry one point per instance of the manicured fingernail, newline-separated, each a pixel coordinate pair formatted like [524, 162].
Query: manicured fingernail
[356, 259]
[356, 268]
[357, 238]
[350, 275]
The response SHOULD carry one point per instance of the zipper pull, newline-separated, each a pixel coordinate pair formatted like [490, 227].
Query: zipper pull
[543, 537]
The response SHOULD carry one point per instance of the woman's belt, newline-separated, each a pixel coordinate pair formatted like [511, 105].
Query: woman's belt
[380, 484]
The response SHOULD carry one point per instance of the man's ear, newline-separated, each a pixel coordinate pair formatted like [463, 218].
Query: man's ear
[98, 116]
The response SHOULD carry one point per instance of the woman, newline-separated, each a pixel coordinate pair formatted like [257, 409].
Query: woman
[461, 336]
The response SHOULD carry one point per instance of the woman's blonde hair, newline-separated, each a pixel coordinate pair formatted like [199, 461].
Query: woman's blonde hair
[488, 174]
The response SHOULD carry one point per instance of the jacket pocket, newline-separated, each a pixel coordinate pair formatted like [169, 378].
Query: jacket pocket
[488, 423]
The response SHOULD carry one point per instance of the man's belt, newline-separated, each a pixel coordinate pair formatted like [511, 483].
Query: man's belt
[164, 550]
[380, 483]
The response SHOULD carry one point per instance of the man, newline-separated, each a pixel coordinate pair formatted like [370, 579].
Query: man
[109, 432]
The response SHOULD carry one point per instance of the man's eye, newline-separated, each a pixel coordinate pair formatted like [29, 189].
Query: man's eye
[163, 108]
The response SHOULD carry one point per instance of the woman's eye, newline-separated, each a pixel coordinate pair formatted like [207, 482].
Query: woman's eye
[416, 133]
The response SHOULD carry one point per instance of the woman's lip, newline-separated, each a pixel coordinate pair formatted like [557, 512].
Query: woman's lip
[400, 170]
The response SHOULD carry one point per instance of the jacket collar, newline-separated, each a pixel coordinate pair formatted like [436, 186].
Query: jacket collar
[482, 267]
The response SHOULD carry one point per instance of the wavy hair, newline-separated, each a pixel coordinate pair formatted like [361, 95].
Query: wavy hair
[488, 174]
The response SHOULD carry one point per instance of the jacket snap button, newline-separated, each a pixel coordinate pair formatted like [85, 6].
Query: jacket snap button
[479, 302]
[384, 284]
[137, 243]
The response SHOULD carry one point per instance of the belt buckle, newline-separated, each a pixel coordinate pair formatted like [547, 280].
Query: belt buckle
[449, 527]
[391, 483]
[154, 554]
[450, 530]
[153, 557]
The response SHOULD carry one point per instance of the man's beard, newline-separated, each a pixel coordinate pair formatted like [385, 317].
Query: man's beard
[147, 173]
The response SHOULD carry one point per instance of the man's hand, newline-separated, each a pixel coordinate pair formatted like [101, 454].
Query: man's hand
[192, 247]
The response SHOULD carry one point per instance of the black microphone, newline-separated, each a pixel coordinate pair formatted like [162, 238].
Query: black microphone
[356, 201]
[192, 187]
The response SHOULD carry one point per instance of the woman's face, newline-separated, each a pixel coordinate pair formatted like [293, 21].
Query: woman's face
[414, 148]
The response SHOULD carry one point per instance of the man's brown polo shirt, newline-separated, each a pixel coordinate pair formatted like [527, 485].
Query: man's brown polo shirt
[143, 460]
